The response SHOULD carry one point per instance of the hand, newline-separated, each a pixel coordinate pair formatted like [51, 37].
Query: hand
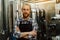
[17, 29]
[26, 37]
[33, 33]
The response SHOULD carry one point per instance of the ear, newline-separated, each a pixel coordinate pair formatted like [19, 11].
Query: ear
[30, 10]
[31, 13]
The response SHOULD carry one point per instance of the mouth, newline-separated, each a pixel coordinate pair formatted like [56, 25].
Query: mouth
[25, 15]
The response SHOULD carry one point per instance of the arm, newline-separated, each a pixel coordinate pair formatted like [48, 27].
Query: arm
[33, 32]
[17, 33]
[20, 34]
[23, 34]
[35, 27]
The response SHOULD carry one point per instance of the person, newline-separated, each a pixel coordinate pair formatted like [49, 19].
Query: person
[25, 25]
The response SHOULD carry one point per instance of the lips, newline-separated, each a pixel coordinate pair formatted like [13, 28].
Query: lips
[25, 15]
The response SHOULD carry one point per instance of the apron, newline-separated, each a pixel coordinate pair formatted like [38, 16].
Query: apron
[25, 26]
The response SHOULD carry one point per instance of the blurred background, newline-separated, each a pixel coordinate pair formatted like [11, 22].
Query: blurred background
[45, 12]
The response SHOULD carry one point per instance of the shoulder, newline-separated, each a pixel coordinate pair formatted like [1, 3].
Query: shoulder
[19, 19]
[32, 20]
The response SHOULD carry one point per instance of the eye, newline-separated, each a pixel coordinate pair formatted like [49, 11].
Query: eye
[27, 9]
[23, 9]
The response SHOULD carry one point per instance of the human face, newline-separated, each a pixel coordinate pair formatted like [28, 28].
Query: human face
[26, 11]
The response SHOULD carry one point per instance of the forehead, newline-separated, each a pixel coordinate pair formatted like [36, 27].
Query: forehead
[26, 7]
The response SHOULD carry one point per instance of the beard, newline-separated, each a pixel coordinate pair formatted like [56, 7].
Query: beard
[25, 15]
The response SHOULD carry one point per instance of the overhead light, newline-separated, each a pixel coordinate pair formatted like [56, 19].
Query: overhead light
[25, 0]
[57, 1]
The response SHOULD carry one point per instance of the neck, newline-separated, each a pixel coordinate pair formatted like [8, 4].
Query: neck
[26, 18]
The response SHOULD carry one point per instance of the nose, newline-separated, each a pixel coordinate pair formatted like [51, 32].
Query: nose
[25, 10]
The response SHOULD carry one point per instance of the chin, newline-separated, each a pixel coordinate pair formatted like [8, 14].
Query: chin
[25, 16]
